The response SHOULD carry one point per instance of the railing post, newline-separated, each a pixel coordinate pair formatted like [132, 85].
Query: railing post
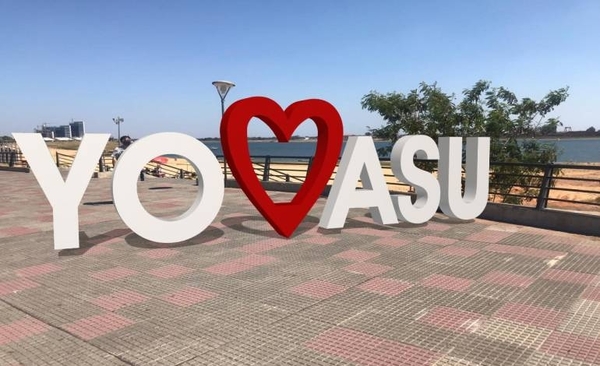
[101, 165]
[310, 161]
[224, 168]
[266, 170]
[13, 156]
[542, 199]
[57, 160]
[142, 177]
[180, 173]
[287, 177]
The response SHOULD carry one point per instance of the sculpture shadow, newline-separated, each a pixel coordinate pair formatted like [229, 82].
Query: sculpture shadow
[309, 222]
[209, 234]
[399, 225]
[86, 242]
[437, 218]
[237, 224]
[451, 220]
[98, 203]
[159, 188]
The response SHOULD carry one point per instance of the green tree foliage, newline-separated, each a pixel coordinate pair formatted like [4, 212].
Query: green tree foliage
[550, 127]
[483, 110]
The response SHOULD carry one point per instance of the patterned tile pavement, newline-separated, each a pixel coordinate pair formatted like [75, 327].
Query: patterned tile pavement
[443, 293]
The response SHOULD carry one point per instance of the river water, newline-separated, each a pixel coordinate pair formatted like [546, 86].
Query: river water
[580, 150]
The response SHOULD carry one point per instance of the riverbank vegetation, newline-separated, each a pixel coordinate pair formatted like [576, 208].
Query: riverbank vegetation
[483, 110]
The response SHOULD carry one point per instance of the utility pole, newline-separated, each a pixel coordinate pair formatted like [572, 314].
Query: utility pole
[118, 121]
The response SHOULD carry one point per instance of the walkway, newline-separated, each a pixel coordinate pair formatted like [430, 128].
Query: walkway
[444, 293]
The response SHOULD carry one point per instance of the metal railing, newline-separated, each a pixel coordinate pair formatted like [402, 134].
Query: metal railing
[541, 185]
[548, 184]
[64, 160]
[12, 158]
[294, 169]
[538, 185]
[106, 163]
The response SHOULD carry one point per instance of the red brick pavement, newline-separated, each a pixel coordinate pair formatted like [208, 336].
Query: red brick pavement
[440, 294]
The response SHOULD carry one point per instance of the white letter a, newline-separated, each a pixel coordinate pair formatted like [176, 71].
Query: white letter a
[359, 160]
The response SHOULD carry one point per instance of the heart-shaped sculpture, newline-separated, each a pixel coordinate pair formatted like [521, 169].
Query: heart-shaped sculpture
[284, 217]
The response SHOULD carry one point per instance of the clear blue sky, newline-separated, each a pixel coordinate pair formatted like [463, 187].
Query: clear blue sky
[152, 62]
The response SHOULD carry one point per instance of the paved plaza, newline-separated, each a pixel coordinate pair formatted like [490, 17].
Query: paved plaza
[443, 293]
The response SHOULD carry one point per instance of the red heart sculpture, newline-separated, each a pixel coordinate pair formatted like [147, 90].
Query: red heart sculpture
[283, 216]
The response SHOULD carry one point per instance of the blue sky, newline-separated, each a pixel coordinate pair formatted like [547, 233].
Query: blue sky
[153, 62]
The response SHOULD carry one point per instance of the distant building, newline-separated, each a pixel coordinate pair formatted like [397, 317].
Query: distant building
[55, 132]
[63, 132]
[46, 132]
[75, 129]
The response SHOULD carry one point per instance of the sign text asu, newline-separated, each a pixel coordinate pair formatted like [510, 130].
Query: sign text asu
[359, 161]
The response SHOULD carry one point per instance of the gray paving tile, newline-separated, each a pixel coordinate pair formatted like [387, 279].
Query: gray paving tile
[364, 295]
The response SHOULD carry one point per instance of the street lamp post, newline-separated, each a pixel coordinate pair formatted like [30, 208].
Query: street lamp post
[223, 88]
[118, 121]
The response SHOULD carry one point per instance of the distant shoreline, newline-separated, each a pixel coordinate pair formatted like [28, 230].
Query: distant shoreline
[208, 139]
[545, 138]
[565, 138]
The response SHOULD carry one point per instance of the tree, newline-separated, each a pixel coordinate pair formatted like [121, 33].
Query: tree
[484, 110]
[591, 130]
[425, 111]
[550, 127]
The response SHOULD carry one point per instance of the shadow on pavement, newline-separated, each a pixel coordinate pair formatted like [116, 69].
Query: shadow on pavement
[209, 234]
[98, 203]
[86, 243]
[237, 223]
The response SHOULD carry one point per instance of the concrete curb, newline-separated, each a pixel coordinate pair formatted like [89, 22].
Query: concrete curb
[566, 221]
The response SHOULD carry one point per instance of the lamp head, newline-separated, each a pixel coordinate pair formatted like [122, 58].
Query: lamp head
[223, 87]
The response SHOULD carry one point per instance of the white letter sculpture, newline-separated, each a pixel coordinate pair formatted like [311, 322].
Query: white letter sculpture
[64, 196]
[203, 211]
[476, 176]
[427, 187]
[359, 160]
